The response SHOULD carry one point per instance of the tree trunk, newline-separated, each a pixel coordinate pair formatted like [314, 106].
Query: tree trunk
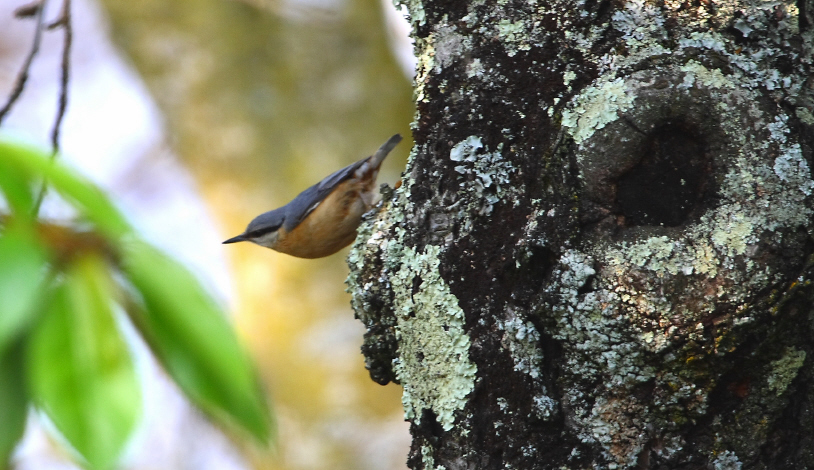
[600, 255]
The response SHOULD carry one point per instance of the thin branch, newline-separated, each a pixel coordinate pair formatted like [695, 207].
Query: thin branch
[64, 22]
[22, 77]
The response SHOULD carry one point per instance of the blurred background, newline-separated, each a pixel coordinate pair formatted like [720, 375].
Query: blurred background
[197, 116]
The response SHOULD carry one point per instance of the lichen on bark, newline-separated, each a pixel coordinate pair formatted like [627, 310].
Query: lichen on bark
[616, 199]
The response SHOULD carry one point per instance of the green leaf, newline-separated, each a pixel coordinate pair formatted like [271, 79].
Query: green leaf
[193, 339]
[81, 193]
[22, 275]
[16, 185]
[13, 401]
[80, 370]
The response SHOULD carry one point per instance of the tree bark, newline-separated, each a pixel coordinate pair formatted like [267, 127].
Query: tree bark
[600, 255]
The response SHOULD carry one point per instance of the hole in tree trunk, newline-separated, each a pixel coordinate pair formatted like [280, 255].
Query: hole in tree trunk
[668, 182]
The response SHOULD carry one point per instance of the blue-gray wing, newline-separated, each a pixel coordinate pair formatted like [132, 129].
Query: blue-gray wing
[308, 200]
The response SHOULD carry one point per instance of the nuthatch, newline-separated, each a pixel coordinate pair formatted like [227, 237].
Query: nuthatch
[322, 219]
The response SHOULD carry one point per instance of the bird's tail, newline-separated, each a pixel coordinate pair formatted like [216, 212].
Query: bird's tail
[377, 158]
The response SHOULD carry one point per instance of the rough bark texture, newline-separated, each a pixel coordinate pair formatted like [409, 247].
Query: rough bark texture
[600, 255]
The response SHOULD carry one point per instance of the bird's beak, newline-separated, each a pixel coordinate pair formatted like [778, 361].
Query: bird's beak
[239, 238]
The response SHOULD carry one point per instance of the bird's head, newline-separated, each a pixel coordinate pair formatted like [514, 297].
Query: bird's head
[263, 230]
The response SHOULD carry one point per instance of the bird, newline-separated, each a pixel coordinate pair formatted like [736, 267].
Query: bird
[322, 219]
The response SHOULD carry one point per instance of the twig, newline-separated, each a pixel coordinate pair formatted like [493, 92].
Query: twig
[64, 22]
[22, 77]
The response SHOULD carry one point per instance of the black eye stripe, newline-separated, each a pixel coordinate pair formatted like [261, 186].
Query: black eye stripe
[261, 232]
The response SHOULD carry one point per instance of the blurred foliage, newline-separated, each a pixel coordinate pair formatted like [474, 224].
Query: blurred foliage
[263, 98]
[63, 292]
